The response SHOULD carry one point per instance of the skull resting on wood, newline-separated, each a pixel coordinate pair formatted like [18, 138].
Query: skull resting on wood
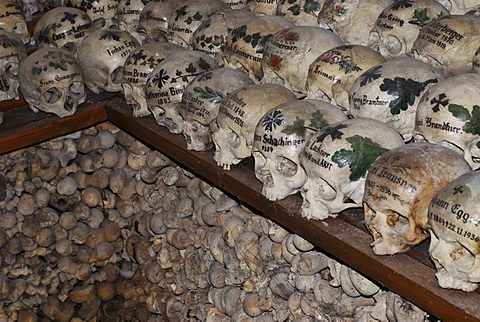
[12, 52]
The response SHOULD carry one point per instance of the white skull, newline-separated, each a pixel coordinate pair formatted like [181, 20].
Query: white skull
[136, 70]
[399, 24]
[289, 52]
[187, 17]
[398, 189]
[300, 12]
[101, 12]
[351, 20]
[460, 7]
[166, 84]
[337, 159]
[64, 28]
[51, 81]
[332, 74]
[102, 55]
[12, 52]
[449, 114]
[246, 43]
[153, 21]
[201, 100]
[449, 43]
[390, 92]
[280, 138]
[128, 15]
[455, 235]
[13, 19]
[238, 116]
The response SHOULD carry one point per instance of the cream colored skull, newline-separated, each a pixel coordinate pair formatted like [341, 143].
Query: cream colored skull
[390, 92]
[153, 22]
[332, 74]
[166, 84]
[289, 52]
[128, 15]
[399, 24]
[201, 100]
[351, 20]
[102, 55]
[136, 70]
[280, 138]
[51, 81]
[188, 17]
[245, 44]
[238, 116]
[13, 19]
[263, 7]
[460, 7]
[476, 62]
[449, 114]
[101, 12]
[398, 189]
[449, 43]
[64, 28]
[300, 12]
[12, 52]
[337, 159]
[454, 221]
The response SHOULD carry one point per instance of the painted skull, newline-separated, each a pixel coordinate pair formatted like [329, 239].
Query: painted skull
[449, 114]
[351, 20]
[102, 55]
[300, 12]
[238, 116]
[332, 74]
[51, 81]
[399, 24]
[201, 101]
[13, 19]
[101, 12]
[166, 84]
[187, 17]
[449, 43]
[390, 92]
[64, 28]
[128, 15]
[398, 190]
[153, 21]
[237, 4]
[289, 52]
[280, 138]
[245, 44]
[263, 7]
[136, 70]
[455, 235]
[12, 52]
[460, 7]
[337, 159]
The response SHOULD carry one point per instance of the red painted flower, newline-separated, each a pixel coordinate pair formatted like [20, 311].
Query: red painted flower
[325, 55]
[275, 61]
[337, 6]
[335, 59]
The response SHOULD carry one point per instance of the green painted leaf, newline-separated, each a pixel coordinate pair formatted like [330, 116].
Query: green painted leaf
[295, 10]
[459, 112]
[420, 18]
[298, 128]
[473, 125]
[318, 121]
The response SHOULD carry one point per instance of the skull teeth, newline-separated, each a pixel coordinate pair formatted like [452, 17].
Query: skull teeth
[4, 85]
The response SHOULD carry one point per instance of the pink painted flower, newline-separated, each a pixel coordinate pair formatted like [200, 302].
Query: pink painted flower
[43, 62]
[337, 6]
[325, 55]
[335, 59]
[4, 39]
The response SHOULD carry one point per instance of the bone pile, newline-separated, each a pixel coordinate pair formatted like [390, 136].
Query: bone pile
[96, 226]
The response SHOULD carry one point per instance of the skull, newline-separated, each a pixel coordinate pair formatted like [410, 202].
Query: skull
[102, 55]
[289, 52]
[238, 116]
[399, 24]
[336, 160]
[153, 22]
[398, 189]
[201, 101]
[476, 62]
[263, 7]
[128, 15]
[449, 43]
[390, 92]
[13, 19]
[12, 52]
[211, 36]
[30, 8]
[63, 28]
[300, 12]
[332, 74]
[188, 17]
[245, 44]
[51, 81]
[166, 84]
[459, 7]
[280, 137]
[448, 114]
[101, 12]
[351, 20]
[455, 237]
[136, 69]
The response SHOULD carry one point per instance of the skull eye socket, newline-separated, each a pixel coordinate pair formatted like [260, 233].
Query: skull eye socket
[12, 69]
[325, 191]
[233, 140]
[399, 223]
[117, 75]
[286, 166]
[99, 23]
[260, 160]
[462, 257]
[77, 89]
[52, 95]
[393, 45]
[71, 47]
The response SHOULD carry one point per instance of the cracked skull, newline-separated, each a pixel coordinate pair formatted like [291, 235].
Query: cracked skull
[12, 52]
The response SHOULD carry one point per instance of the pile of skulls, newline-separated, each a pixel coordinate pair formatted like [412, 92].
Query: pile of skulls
[96, 226]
